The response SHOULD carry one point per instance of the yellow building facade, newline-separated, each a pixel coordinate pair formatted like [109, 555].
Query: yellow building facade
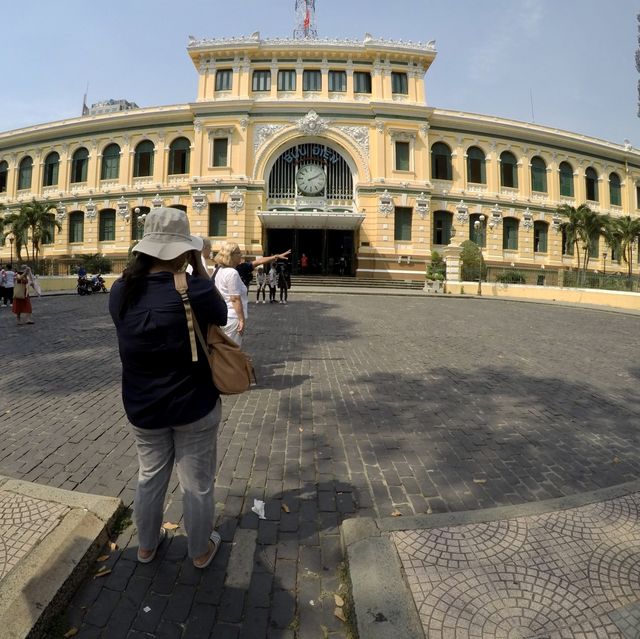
[324, 146]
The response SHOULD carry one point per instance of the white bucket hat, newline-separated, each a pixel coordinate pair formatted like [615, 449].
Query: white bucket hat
[167, 235]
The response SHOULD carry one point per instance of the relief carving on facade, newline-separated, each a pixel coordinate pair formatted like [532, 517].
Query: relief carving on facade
[263, 132]
[312, 124]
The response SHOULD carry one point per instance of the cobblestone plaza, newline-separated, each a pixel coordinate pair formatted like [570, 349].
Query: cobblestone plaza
[366, 406]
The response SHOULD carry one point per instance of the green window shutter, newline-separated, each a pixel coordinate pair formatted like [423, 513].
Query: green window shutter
[218, 219]
[220, 146]
[510, 234]
[261, 80]
[566, 179]
[402, 226]
[614, 190]
[224, 79]
[337, 81]
[24, 174]
[402, 156]
[287, 80]
[107, 231]
[538, 175]
[76, 227]
[312, 80]
[540, 232]
[361, 82]
[399, 83]
[442, 221]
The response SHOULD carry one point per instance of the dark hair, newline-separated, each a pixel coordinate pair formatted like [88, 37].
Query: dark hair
[135, 281]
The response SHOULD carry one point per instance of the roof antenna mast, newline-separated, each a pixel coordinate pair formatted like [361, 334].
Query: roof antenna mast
[305, 20]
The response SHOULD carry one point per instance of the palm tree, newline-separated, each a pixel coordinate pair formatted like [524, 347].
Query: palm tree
[40, 223]
[626, 231]
[18, 229]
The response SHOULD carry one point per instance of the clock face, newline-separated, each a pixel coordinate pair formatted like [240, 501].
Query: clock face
[311, 179]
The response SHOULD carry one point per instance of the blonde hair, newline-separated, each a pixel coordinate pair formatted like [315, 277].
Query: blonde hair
[223, 257]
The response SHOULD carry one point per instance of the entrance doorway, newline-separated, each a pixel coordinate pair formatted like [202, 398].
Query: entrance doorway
[329, 252]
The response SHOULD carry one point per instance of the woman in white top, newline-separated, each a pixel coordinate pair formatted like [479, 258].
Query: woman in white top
[232, 289]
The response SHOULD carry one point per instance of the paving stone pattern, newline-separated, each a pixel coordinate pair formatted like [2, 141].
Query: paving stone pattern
[24, 522]
[366, 405]
[573, 573]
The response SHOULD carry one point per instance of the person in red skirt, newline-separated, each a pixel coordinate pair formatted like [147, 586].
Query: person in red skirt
[21, 300]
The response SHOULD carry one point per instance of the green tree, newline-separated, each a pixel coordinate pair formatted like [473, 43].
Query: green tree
[472, 261]
[15, 225]
[624, 231]
[40, 224]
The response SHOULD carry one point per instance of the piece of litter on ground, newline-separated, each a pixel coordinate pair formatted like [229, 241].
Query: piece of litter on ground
[170, 526]
[301, 429]
[338, 613]
[615, 460]
[312, 602]
[147, 609]
[286, 508]
[258, 508]
[396, 513]
[339, 600]
[102, 573]
[72, 632]
[102, 558]
[113, 545]
[479, 481]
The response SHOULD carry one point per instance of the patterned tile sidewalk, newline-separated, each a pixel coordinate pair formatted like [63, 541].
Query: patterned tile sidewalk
[24, 522]
[567, 574]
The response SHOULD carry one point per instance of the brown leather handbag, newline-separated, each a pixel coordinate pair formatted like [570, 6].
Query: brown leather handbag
[231, 368]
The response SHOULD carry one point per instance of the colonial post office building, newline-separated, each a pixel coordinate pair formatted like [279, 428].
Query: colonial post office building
[328, 147]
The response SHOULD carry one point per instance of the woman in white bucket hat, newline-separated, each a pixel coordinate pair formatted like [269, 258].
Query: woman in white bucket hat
[171, 401]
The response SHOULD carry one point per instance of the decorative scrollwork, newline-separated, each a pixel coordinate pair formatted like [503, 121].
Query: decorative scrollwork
[385, 204]
[199, 200]
[236, 200]
[312, 124]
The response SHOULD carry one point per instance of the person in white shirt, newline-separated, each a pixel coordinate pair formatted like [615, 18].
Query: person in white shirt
[232, 289]
[272, 279]
[9, 281]
[261, 280]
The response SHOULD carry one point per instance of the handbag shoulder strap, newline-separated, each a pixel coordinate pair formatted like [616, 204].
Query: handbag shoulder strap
[180, 282]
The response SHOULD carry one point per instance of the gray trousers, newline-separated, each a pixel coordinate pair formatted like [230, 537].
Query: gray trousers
[193, 448]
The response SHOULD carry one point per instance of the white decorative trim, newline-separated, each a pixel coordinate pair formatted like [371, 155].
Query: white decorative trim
[123, 208]
[360, 135]
[402, 134]
[262, 132]
[236, 200]
[199, 200]
[422, 205]
[462, 209]
[157, 201]
[61, 212]
[385, 203]
[527, 219]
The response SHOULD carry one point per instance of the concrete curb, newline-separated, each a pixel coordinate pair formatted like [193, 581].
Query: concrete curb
[45, 579]
[383, 604]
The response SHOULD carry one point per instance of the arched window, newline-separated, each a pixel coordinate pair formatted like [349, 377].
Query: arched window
[143, 160]
[76, 226]
[566, 179]
[615, 195]
[441, 162]
[179, 153]
[479, 234]
[591, 184]
[476, 172]
[540, 235]
[538, 175]
[110, 163]
[508, 170]
[51, 166]
[442, 222]
[79, 165]
[510, 233]
[4, 176]
[25, 170]
[107, 229]
[137, 225]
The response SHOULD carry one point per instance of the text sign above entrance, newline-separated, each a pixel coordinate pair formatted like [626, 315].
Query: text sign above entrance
[306, 152]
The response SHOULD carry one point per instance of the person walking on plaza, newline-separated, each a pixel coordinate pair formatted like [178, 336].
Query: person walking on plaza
[246, 268]
[9, 281]
[21, 298]
[304, 264]
[170, 400]
[3, 281]
[272, 281]
[284, 282]
[261, 279]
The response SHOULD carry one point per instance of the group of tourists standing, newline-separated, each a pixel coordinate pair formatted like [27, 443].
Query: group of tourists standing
[276, 279]
[15, 289]
[170, 400]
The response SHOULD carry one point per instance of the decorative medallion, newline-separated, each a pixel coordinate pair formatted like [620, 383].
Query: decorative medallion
[422, 205]
[496, 217]
[527, 219]
[199, 200]
[385, 204]
[463, 212]
[61, 212]
[157, 201]
[236, 200]
[312, 124]
[91, 209]
[123, 208]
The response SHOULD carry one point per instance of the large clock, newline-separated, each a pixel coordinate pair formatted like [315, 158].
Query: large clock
[311, 179]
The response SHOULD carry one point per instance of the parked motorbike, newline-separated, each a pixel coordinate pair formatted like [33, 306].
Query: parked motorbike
[88, 285]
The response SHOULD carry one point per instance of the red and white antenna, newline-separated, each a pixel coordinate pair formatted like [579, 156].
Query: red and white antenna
[305, 20]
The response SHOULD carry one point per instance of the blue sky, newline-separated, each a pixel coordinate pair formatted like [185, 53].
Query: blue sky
[576, 57]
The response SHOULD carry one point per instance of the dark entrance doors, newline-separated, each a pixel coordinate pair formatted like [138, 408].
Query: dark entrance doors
[329, 252]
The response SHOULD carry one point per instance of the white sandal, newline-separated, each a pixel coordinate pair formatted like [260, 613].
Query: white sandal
[146, 560]
[216, 540]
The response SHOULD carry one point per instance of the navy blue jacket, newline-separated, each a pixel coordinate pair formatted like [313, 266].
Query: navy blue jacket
[161, 386]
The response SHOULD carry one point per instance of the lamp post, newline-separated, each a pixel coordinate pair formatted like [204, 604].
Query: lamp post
[604, 262]
[480, 227]
[11, 241]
